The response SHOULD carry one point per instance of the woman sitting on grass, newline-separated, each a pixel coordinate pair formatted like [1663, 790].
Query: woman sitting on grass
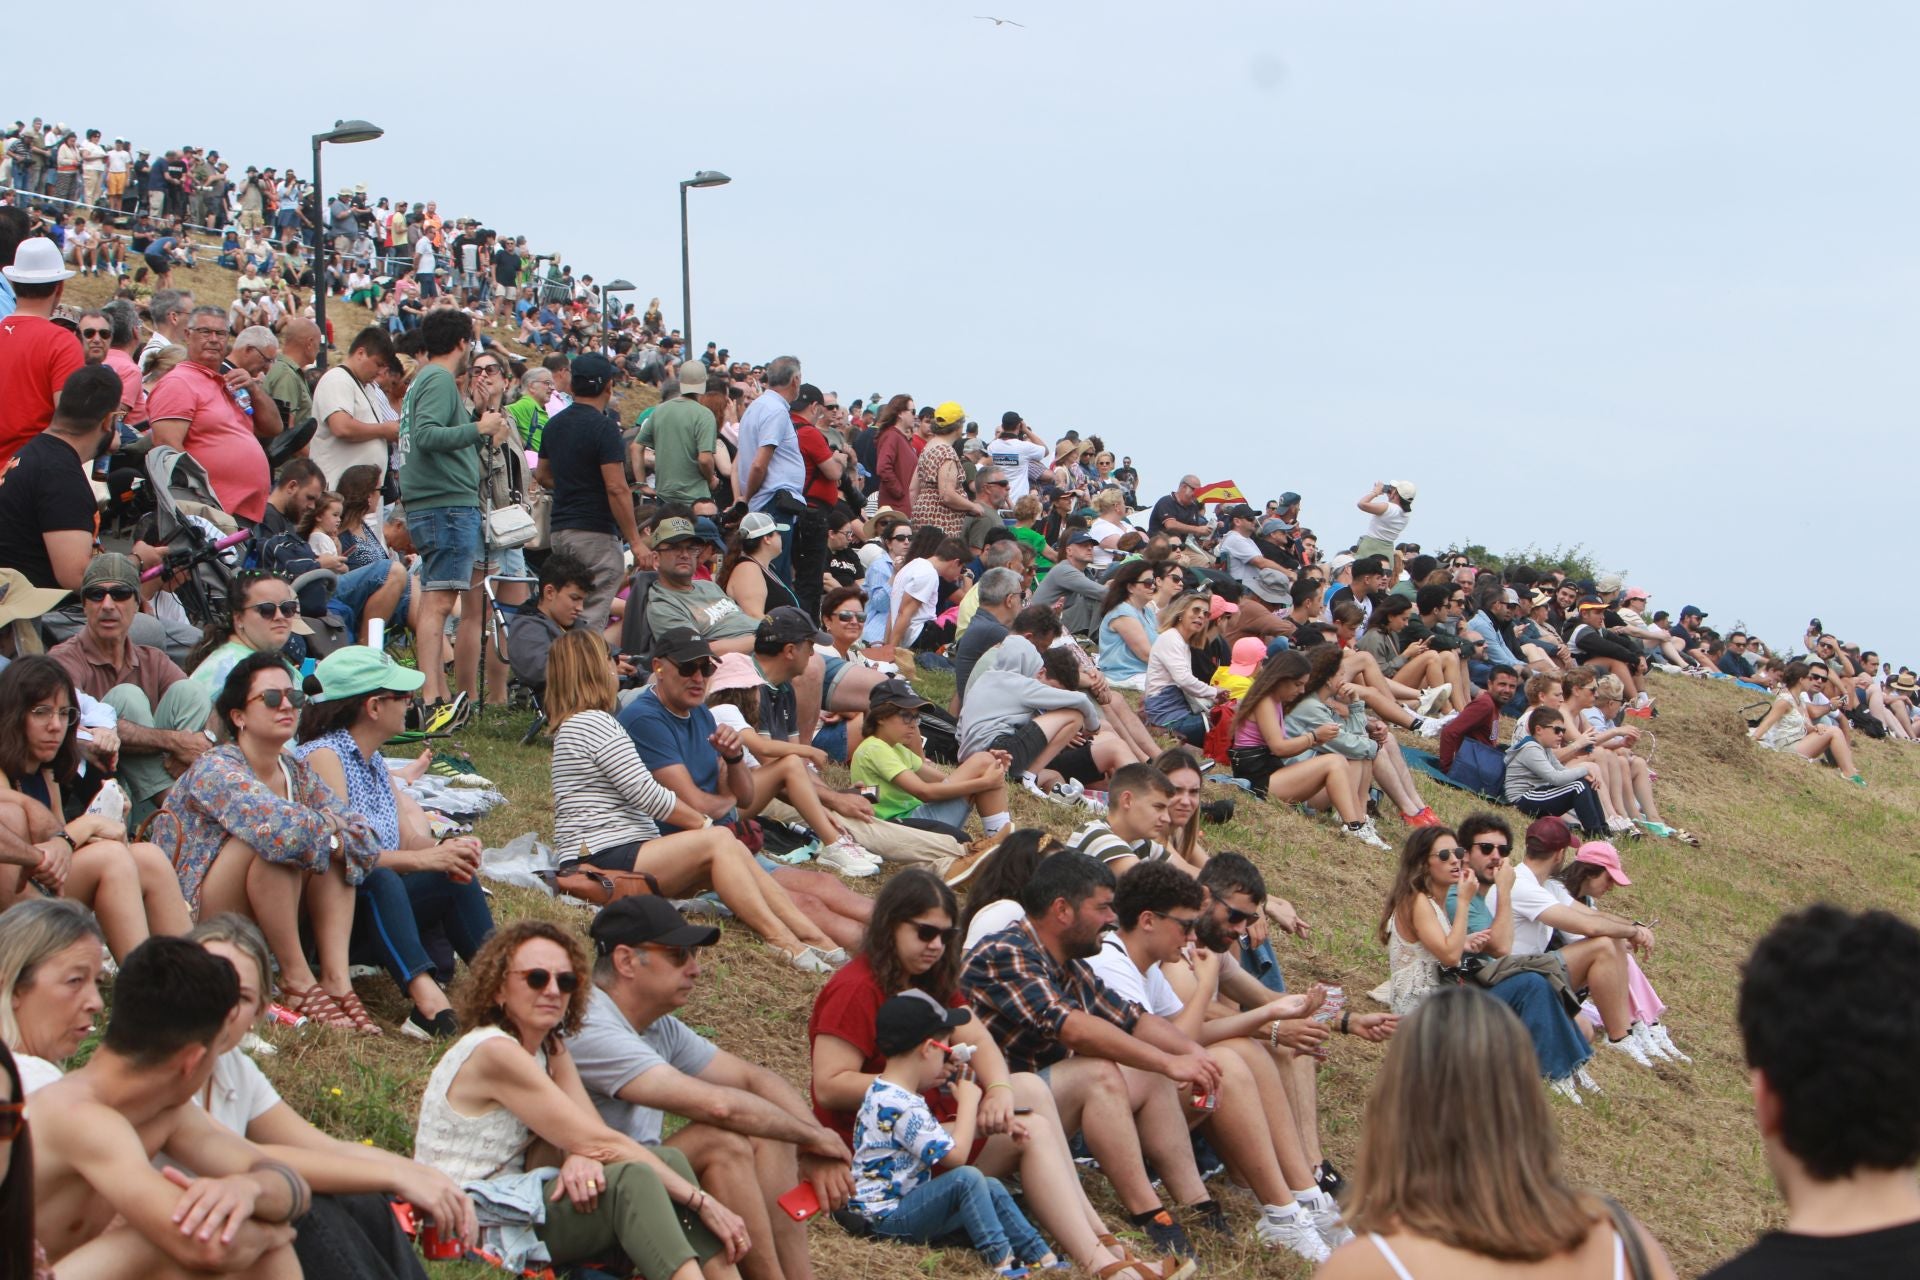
[129, 886]
[1592, 875]
[350, 1232]
[1177, 699]
[50, 962]
[1290, 767]
[505, 1111]
[1128, 624]
[359, 700]
[1789, 723]
[1365, 743]
[607, 807]
[257, 832]
[262, 618]
[892, 758]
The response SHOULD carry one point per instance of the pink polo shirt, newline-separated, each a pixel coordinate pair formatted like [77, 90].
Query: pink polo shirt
[219, 436]
[133, 392]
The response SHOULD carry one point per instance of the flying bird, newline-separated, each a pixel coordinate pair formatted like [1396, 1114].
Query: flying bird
[998, 22]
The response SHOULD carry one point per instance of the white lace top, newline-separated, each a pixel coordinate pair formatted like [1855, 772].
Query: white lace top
[468, 1148]
[1415, 971]
[1791, 727]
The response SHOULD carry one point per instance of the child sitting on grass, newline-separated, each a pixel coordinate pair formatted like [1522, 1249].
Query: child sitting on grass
[898, 1147]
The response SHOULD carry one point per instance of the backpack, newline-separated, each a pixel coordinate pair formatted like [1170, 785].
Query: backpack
[636, 633]
[941, 733]
[1479, 767]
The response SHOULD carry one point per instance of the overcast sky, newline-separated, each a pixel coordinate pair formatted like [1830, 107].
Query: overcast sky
[1631, 275]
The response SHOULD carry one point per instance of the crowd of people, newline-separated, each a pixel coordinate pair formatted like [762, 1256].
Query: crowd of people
[715, 608]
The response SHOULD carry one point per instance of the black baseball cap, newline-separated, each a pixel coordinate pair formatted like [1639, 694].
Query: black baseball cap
[807, 397]
[591, 374]
[909, 1020]
[643, 918]
[681, 644]
[1010, 419]
[895, 692]
[784, 626]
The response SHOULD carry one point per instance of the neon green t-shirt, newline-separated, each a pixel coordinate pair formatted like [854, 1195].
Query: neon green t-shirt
[877, 764]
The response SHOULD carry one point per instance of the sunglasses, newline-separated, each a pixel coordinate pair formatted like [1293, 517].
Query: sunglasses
[1185, 924]
[1236, 916]
[274, 699]
[96, 333]
[13, 1120]
[537, 979]
[1491, 846]
[676, 956]
[848, 615]
[1445, 855]
[901, 537]
[934, 932]
[94, 595]
[267, 608]
[699, 666]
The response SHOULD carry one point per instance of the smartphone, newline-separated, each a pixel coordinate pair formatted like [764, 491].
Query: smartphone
[800, 1203]
[1023, 1111]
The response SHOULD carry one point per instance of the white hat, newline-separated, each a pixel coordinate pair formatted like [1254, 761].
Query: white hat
[1405, 488]
[37, 261]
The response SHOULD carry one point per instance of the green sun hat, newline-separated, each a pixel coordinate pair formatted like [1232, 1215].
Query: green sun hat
[356, 670]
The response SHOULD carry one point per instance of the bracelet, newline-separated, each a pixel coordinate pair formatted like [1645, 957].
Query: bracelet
[72, 846]
[998, 1084]
[1344, 1015]
[734, 759]
[1273, 1035]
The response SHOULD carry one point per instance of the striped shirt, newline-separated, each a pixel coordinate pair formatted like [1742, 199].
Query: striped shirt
[603, 796]
[1097, 840]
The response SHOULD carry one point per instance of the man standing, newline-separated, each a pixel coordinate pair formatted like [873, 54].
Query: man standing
[1178, 515]
[197, 407]
[1822, 1037]
[36, 355]
[583, 462]
[168, 312]
[776, 474]
[1019, 454]
[438, 458]
[286, 380]
[682, 434]
[750, 1136]
[93, 169]
[351, 430]
[823, 469]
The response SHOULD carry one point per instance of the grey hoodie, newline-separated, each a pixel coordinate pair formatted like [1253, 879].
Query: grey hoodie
[1005, 696]
[1531, 767]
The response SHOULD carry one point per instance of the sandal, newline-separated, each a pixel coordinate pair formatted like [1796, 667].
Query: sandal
[1685, 837]
[316, 1006]
[1160, 1269]
[355, 1013]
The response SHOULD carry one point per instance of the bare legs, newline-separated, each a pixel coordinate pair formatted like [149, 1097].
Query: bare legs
[270, 893]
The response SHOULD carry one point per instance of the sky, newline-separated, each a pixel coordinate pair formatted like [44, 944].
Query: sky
[1640, 277]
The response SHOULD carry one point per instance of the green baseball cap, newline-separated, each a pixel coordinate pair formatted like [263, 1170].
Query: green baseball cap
[356, 670]
[675, 529]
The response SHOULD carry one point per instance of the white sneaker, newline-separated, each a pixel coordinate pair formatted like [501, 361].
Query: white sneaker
[1630, 1046]
[1365, 834]
[848, 858]
[1646, 1041]
[1657, 1034]
[1564, 1087]
[1431, 698]
[1587, 1082]
[1032, 784]
[1325, 1213]
[1620, 826]
[835, 956]
[1295, 1233]
[807, 960]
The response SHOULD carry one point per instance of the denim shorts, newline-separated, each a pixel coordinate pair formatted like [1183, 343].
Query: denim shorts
[448, 540]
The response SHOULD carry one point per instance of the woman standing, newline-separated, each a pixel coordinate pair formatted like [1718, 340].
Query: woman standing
[257, 832]
[50, 962]
[505, 1110]
[939, 482]
[894, 455]
[746, 573]
[1177, 699]
[1473, 1186]
[504, 482]
[1390, 503]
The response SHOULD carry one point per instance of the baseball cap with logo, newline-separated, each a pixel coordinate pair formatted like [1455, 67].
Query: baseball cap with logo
[895, 692]
[674, 529]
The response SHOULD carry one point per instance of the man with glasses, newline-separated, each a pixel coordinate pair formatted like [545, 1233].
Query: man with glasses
[750, 1136]
[96, 336]
[220, 414]
[1736, 661]
[164, 716]
[1000, 595]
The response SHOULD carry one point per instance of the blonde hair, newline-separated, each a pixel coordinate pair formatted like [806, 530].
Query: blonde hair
[1607, 688]
[244, 936]
[31, 933]
[1459, 1145]
[1107, 499]
[579, 676]
[1171, 615]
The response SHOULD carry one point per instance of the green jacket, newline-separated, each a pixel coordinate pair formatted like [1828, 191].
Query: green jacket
[438, 455]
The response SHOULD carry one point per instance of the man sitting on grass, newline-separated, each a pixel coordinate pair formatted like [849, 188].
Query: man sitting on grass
[1135, 824]
[103, 1208]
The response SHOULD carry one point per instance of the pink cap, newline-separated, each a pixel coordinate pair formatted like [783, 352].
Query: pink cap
[1637, 593]
[1248, 653]
[1601, 854]
[1220, 607]
[736, 671]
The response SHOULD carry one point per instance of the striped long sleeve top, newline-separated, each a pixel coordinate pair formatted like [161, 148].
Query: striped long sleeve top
[603, 795]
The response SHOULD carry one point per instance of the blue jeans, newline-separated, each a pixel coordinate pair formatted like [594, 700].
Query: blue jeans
[1557, 1042]
[355, 588]
[965, 1199]
[952, 812]
[1263, 965]
[449, 542]
[391, 911]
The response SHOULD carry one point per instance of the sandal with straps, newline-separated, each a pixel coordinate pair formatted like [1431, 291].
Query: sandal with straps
[316, 1006]
[356, 1013]
[1162, 1269]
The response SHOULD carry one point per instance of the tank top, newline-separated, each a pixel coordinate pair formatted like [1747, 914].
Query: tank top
[1400, 1269]
[468, 1148]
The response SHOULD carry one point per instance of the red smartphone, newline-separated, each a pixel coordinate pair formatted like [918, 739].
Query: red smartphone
[800, 1203]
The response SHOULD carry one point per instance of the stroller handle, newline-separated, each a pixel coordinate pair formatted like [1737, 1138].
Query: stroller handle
[231, 540]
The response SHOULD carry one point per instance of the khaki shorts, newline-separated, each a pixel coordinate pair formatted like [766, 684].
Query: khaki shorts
[116, 183]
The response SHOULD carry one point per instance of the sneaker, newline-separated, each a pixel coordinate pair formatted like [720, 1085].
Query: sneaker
[1586, 1081]
[1366, 835]
[441, 1026]
[1620, 826]
[444, 717]
[1210, 1215]
[1658, 1032]
[1647, 1042]
[1425, 728]
[848, 858]
[1294, 1233]
[1167, 1236]
[1329, 1179]
[1431, 698]
[1217, 811]
[1011, 1270]
[1564, 1087]
[1325, 1214]
[835, 956]
[807, 960]
[1032, 784]
[1425, 818]
[1205, 1158]
[1631, 1047]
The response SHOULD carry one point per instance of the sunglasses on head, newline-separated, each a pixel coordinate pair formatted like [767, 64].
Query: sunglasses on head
[94, 595]
[697, 666]
[267, 608]
[934, 932]
[274, 699]
[1491, 846]
[537, 980]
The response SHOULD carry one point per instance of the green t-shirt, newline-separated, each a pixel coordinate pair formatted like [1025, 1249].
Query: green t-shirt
[438, 455]
[1479, 915]
[214, 668]
[288, 385]
[1033, 538]
[529, 419]
[678, 432]
[877, 764]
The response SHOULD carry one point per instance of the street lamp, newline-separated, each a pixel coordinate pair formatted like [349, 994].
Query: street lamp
[342, 131]
[611, 286]
[704, 178]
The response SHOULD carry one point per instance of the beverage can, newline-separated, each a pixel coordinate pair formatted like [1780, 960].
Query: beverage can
[433, 1246]
[1205, 1099]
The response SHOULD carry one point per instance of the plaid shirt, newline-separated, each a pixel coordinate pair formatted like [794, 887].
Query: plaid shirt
[1023, 997]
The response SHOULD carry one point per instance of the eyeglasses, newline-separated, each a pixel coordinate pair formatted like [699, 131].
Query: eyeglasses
[94, 595]
[274, 699]
[491, 370]
[1183, 923]
[267, 608]
[699, 666]
[537, 979]
[934, 932]
[848, 615]
[65, 715]
[204, 332]
[1491, 846]
[96, 333]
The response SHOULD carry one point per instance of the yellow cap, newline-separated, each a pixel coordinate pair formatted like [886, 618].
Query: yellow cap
[949, 413]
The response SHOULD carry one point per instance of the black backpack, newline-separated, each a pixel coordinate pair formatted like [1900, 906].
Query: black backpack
[636, 633]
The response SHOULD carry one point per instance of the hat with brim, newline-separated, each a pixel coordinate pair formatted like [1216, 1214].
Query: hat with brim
[736, 671]
[21, 600]
[1248, 653]
[37, 261]
[674, 529]
[645, 918]
[897, 693]
[1599, 853]
[356, 670]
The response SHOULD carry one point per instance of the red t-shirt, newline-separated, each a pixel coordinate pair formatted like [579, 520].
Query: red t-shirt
[846, 1009]
[815, 450]
[36, 359]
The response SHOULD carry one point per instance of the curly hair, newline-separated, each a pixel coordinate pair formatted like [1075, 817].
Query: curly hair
[476, 1001]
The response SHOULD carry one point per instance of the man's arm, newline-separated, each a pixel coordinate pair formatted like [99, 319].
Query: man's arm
[343, 426]
[619, 498]
[736, 1096]
[69, 550]
[677, 779]
[757, 473]
[1574, 918]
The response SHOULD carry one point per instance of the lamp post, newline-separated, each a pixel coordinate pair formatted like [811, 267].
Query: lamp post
[611, 286]
[704, 178]
[342, 131]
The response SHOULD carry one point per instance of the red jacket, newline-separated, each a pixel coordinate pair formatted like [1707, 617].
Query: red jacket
[1480, 720]
[894, 461]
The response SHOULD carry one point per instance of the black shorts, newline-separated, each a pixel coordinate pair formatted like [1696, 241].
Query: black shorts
[1076, 763]
[1023, 744]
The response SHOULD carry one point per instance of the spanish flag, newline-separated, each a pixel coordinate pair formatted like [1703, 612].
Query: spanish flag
[1220, 491]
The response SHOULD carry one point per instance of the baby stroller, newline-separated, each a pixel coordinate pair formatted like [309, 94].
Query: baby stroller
[198, 535]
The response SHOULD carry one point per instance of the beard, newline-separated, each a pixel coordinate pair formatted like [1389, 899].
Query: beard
[1083, 946]
[1214, 934]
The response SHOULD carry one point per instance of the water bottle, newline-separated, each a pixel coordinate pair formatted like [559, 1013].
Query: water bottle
[244, 399]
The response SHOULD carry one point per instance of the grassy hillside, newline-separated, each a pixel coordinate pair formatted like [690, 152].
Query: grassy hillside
[1675, 1145]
